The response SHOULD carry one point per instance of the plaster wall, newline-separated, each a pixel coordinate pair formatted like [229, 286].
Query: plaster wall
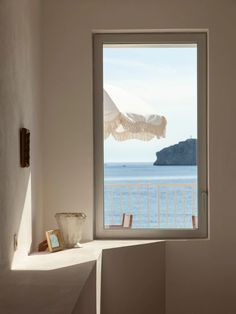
[55, 291]
[133, 280]
[200, 275]
[20, 188]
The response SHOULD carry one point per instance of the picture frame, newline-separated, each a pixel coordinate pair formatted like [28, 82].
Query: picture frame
[54, 240]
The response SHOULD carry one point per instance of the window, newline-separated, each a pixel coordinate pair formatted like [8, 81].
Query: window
[150, 135]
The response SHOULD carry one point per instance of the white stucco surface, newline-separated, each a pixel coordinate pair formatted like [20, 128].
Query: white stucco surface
[90, 251]
[200, 275]
[21, 199]
[47, 272]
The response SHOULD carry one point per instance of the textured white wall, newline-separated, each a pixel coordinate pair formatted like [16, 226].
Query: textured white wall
[133, 280]
[20, 189]
[200, 274]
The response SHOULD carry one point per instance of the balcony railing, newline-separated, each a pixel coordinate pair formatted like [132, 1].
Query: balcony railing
[164, 206]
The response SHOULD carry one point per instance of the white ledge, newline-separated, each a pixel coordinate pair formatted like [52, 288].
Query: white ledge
[89, 252]
[35, 275]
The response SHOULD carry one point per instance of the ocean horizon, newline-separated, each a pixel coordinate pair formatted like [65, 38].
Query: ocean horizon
[131, 187]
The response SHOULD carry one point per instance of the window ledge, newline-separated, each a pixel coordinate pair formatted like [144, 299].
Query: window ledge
[65, 273]
[90, 251]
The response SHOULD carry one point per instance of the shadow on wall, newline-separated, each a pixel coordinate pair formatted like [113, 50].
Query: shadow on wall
[20, 195]
[57, 291]
[16, 218]
[24, 234]
[133, 280]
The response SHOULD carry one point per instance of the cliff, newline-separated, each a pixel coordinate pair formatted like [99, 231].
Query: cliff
[183, 153]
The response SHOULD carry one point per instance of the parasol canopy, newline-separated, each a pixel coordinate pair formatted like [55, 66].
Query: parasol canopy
[126, 126]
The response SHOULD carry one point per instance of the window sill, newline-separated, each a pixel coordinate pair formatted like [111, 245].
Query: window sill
[66, 273]
[90, 251]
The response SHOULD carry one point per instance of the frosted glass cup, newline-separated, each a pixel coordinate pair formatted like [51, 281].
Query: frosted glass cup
[71, 226]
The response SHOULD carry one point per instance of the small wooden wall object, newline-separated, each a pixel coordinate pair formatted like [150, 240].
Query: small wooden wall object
[24, 147]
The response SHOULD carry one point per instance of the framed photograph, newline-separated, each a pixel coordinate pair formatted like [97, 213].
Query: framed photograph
[54, 240]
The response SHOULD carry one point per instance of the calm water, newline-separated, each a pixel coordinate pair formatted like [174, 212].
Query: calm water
[157, 196]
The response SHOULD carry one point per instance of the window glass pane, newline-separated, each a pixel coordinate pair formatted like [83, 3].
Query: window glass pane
[150, 173]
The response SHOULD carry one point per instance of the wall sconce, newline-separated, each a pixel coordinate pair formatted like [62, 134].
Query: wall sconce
[24, 147]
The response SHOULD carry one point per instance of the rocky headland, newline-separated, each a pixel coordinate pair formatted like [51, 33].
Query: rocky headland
[183, 154]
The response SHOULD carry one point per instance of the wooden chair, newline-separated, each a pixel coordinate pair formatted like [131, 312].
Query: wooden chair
[127, 220]
[194, 221]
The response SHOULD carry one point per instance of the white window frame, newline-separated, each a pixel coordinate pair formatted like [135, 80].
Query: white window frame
[100, 39]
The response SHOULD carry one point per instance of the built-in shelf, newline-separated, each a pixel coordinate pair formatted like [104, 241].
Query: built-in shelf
[89, 251]
[63, 275]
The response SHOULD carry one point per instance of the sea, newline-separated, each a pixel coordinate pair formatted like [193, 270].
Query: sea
[162, 197]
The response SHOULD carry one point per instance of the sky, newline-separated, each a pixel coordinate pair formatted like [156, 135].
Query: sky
[157, 80]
